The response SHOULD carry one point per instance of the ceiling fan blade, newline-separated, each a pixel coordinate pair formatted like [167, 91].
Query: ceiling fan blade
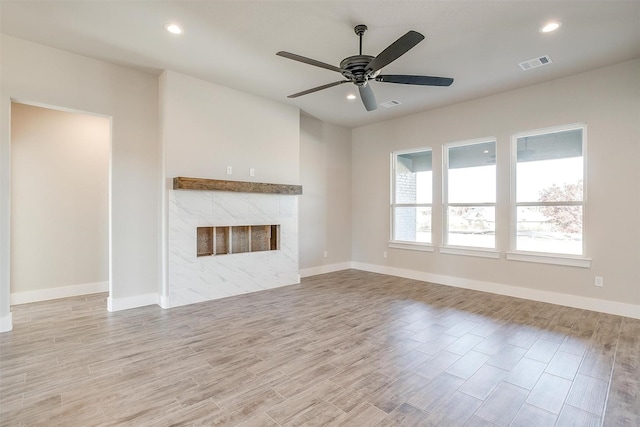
[415, 80]
[308, 61]
[395, 50]
[367, 97]
[315, 89]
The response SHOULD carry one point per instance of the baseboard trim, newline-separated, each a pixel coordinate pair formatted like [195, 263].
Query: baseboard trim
[6, 323]
[585, 303]
[164, 302]
[329, 268]
[56, 293]
[126, 303]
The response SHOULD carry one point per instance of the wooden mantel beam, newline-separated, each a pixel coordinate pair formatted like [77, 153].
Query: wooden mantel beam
[182, 183]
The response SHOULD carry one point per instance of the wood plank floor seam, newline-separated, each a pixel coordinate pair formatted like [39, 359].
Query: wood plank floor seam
[612, 371]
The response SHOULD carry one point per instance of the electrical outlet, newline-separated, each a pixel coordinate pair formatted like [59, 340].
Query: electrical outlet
[599, 282]
[326, 254]
[229, 170]
[252, 172]
[384, 254]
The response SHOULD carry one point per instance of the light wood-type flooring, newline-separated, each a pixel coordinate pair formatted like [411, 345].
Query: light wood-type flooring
[347, 348]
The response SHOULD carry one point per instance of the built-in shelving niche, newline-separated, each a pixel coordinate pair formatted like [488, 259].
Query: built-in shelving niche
[237, 239]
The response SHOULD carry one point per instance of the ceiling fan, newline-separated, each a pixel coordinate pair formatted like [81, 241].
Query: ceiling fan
[360, 69]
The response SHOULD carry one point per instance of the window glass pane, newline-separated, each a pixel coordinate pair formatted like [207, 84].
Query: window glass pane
[423, 187]
[412, 224]
[553, 145]
[413, 178]
[471, 226]
[471, 173]
[472, 185]
[558, 180]
[554, 229]
[472, 155]
[550, 167]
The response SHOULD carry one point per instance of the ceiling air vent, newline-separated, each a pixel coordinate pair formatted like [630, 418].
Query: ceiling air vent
[390, 104]
[535, 63]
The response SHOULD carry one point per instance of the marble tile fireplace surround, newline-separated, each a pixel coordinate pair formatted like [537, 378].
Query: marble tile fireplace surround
[202, 209]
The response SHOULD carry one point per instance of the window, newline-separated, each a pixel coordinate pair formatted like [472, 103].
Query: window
[548, 204]
[470, 194]
[411, 196]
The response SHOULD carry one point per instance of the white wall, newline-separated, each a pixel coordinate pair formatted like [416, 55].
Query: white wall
[325, 205]
[607, 99]
[34, 73]
[60, 201]
[205, 128]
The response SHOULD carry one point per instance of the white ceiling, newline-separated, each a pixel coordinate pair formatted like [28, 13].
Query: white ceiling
[233, 43]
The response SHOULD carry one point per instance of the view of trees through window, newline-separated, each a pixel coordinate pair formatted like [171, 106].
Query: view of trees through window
[549, 192]
[547, 184]
[565, 219]
[471, 226]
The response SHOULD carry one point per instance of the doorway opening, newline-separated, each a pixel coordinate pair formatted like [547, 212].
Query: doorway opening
[60, 204]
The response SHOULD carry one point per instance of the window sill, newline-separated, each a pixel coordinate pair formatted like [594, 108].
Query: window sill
[571, 261]
[424, 247]
[477, 252]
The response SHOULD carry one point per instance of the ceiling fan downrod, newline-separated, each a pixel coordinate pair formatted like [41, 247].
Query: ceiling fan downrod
[359, 30]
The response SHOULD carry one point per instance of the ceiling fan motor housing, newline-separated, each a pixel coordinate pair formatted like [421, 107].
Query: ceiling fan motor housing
[354, 68]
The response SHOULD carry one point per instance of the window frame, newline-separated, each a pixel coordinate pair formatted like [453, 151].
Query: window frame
[406, 244]
[576, 260]
[447, 248]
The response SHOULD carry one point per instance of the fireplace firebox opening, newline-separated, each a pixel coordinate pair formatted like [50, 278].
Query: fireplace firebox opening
[225, 240]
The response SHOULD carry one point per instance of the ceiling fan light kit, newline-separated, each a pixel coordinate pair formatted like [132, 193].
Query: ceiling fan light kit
[360, 69]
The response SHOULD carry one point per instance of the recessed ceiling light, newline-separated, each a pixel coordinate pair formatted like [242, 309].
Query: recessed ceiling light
[351, 97]
[551, 26]
[173, 28]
